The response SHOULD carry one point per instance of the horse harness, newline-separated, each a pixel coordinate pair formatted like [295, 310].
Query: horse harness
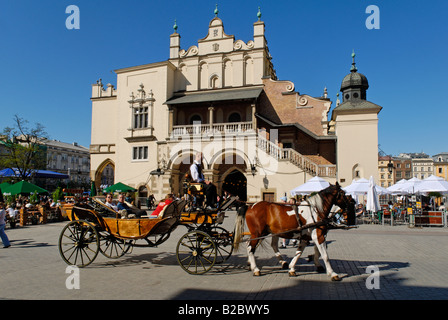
[324, 222]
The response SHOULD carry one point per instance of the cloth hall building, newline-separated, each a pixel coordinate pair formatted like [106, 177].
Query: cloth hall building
[259, 136]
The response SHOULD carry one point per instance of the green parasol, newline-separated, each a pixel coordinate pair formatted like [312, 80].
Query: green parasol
[119, 187]
[22, 187]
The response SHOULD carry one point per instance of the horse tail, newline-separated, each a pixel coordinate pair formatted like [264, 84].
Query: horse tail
[239, 226]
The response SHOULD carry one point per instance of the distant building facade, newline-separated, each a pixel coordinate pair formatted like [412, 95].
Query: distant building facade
[386, 178]
[440, 162]
[68, 158]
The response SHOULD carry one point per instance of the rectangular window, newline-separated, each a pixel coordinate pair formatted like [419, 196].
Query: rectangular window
[140, 117]
[140, 153]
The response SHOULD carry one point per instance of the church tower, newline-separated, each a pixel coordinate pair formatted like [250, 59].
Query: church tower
[356, 127]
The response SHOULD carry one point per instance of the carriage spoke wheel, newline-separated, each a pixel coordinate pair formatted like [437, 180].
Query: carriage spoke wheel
[224, 243]
[112, 247]
[79, 243]
[196, 252]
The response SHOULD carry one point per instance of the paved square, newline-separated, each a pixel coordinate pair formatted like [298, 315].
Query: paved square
[411, 264]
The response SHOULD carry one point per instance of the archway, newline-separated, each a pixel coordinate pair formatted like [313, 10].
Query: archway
[235, 183]
[105, 173]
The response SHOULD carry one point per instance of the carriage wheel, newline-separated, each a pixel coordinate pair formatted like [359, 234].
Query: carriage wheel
[196, 252]
[224, 243]
[112, 247]
[79, 243]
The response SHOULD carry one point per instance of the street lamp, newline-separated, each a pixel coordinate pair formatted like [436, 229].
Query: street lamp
[390, 165]
[253, 168]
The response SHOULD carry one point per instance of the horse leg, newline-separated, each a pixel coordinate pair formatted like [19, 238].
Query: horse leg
[316, 256]
[278, 255]
[292, 270]
[323, 252]
[251, 257]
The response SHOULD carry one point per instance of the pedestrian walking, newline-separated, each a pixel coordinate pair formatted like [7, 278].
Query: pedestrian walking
[3, 235]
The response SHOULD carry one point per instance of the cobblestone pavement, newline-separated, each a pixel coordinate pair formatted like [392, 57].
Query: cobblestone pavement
[411, 264]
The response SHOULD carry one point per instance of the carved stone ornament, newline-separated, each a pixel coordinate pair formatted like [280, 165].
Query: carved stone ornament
[240, 45]
[302, 101]
[192, 51]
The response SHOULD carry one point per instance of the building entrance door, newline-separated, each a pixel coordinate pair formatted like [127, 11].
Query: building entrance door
[268, 196]
[235, 183]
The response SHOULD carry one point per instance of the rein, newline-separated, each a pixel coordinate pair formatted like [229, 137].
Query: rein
[299, 229]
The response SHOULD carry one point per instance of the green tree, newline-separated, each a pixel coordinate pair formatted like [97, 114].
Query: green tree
[23, 150]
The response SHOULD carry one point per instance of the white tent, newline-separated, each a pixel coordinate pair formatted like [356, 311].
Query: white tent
[395, 189]
[361, 187]
[373, 203]
[410, 186]
[315, 184]
[432, 184]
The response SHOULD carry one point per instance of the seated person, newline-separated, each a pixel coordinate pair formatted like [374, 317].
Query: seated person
[162, 204]
[123, 206]
[110, 204]
[360, 210]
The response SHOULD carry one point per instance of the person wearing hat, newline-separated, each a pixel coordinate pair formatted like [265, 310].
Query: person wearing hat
[3, 236]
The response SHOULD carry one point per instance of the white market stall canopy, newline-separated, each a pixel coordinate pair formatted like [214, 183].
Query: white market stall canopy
[361, 187]
[315, 184]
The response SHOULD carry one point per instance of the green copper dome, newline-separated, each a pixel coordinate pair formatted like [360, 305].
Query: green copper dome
[354, 79]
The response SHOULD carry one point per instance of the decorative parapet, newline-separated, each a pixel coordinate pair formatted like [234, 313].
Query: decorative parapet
[98, 90]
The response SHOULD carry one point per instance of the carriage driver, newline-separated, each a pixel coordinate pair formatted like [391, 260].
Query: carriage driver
[196, 169]
[198, 177]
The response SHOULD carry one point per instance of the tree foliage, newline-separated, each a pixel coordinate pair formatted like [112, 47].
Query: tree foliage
[23, 150]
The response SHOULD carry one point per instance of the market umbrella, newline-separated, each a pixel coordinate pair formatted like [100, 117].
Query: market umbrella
[373, 203]
[432, 184]
[315, 184]
[22, 187]
[361, 187]
[14, 172]
[395, 189]
[409, 187]
[119, 187]
[3, 186]
[8, 172]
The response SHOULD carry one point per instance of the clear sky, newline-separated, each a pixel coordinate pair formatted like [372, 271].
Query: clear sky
[47, 70]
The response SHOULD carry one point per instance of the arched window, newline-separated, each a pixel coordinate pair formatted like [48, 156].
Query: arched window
[235, 117]
[195, 118]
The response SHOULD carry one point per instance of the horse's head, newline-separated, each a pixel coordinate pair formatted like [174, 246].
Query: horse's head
[346, 203]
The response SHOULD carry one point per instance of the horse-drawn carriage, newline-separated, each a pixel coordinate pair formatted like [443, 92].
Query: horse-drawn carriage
[95, 227]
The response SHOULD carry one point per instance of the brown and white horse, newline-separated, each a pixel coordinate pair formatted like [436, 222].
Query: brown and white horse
[264, 218]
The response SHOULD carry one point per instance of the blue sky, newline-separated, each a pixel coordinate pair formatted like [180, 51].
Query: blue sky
[47, 70]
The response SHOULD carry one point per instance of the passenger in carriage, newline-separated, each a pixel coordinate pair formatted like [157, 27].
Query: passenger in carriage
[123, 206]
[109, 202]
[162, 204]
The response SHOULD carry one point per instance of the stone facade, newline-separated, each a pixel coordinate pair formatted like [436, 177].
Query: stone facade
[259, 136]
